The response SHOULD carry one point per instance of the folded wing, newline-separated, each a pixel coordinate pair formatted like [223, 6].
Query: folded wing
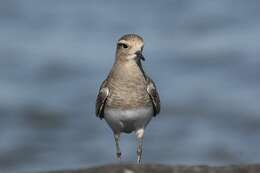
[152, 91]
[101, 99]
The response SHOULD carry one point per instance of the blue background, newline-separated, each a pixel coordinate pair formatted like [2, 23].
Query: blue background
[203, 55]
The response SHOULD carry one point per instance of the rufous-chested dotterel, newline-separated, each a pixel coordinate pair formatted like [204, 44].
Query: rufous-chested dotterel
[128, 98]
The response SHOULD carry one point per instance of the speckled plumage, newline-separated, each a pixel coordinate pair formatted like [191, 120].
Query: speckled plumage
[128, 98]
[127, 86]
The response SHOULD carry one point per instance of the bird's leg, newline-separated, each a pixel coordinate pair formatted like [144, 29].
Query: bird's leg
[140, 137]
[118, 152]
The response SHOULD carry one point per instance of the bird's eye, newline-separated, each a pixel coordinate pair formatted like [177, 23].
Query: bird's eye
[123, 45]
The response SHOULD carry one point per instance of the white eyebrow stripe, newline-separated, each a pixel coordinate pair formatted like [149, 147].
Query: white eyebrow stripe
[122, 41]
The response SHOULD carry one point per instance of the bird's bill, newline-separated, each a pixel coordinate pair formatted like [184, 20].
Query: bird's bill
[140, 55]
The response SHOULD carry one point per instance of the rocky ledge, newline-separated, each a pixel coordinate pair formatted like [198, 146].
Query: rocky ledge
[157, 168]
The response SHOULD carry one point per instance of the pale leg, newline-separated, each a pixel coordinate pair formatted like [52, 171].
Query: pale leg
[140, 137]
[118, 152]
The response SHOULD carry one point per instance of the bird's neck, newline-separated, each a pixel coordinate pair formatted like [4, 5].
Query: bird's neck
[125, 70]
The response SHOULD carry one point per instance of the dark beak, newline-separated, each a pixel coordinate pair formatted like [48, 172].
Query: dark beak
[140, 55]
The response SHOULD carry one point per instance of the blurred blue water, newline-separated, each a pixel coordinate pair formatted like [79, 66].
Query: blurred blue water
[203, 55]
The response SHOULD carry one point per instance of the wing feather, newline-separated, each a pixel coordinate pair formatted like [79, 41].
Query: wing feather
[101, 99]
[152, 91]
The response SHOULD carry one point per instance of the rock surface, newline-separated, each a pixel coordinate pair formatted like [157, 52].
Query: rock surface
[156, 168]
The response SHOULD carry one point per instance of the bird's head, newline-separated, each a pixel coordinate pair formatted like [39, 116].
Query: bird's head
[130, 47]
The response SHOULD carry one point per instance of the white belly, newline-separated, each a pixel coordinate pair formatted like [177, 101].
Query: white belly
[128, 120]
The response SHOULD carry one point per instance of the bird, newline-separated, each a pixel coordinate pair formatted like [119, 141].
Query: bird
[128, 98]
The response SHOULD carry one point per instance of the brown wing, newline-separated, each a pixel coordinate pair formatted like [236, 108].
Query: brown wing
[101, 99]
[151, 89]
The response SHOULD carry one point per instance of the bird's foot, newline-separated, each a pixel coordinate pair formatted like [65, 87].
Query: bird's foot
[139, 156]
[138, 159]
[118, 156]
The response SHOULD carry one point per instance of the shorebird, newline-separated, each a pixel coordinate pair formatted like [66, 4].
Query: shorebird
[128, 98]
